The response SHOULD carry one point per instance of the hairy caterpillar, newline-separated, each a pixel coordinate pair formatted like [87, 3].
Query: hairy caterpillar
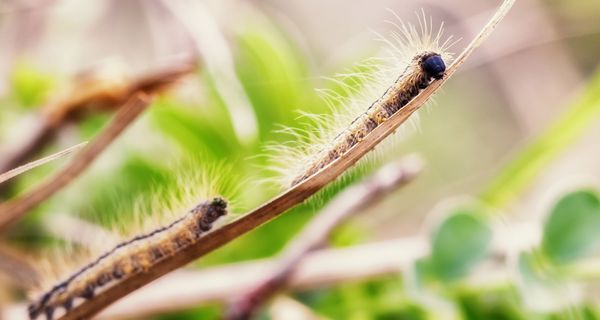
[136, 255]
[426, 66]
[416, 58]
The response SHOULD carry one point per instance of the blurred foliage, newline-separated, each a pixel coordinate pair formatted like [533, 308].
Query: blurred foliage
[572, 228]
[537, 155]
[29, 86]
[502, 304]
[277, 80]
[378, 299]
[459, 243]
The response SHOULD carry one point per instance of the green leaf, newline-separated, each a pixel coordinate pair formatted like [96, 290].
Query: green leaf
[573, 227]
[460, 242]
[273, 75]
[197, 132]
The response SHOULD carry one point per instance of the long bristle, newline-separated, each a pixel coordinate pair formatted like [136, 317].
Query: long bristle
[162, 222]
[296, 159]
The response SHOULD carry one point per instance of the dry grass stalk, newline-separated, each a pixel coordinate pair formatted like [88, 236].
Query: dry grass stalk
[84, 99]
[34, 164]
[13, 210]
[287, 199]
[353, 200]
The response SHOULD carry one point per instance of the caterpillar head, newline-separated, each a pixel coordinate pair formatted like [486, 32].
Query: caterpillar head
[433, 65]
[219, 203]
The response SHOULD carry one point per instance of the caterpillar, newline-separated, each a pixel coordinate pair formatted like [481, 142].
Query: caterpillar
[136, 255]
[426, 67]
[416, 58]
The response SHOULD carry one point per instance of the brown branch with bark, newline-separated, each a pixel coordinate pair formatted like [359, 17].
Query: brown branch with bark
[85, 98]
[319, 269]
[13, 210]
[187, 289]
[288, 198]
[352, 201]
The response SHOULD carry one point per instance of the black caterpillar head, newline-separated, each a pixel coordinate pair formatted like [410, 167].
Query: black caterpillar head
[433, 65]
[211, 210]
[220, 203]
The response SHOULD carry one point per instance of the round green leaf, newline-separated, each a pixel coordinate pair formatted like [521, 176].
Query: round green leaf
[460, 242]
[573, 227]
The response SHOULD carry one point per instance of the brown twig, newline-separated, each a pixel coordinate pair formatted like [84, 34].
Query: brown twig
[110, 95]
[13, 210]
[180, 290]
[322, 268]
[286, 200]
[34, 164]
[83, 99]
[353, 200]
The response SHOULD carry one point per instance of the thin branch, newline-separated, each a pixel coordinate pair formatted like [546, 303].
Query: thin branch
[103, 96]
[188, 289]
[38, 135]
[319, 269]
[34, 164]
[181, 290]
[13, 210]
[82, 100]
[286, 200]
[353, 200]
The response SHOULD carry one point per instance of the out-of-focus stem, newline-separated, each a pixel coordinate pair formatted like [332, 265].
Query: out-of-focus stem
[13, 210]
[351, 201]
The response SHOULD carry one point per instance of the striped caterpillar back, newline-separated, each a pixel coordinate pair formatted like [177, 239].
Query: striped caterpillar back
[136, 255]
[425, 67]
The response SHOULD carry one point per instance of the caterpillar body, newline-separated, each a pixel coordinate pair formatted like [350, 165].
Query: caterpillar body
[414, 57]
[136, 255]
[424, 68]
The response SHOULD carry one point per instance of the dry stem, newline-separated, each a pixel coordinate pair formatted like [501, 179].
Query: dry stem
[34, 164]
[286, 200]
[353, 200]
[57, 114]
[188, 289]
[321, 268]
[14, 209]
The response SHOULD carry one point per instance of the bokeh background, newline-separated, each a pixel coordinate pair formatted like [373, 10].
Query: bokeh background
[510, 135]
